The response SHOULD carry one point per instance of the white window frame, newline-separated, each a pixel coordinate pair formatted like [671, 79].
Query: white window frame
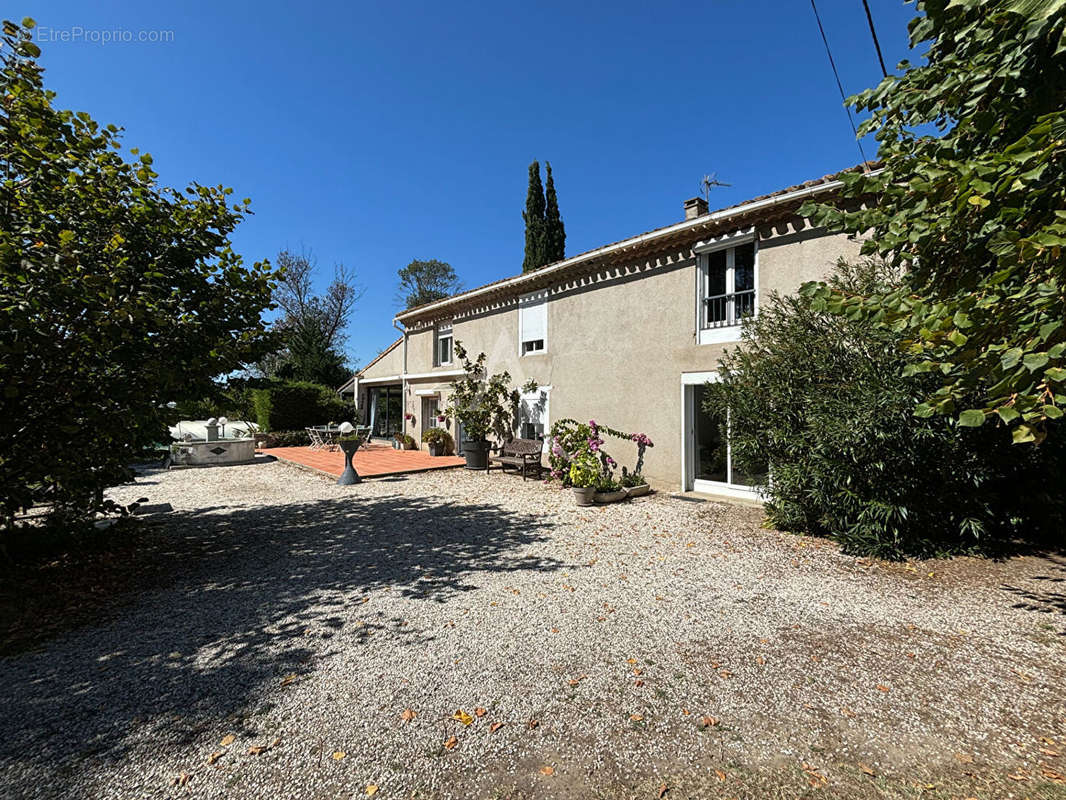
[524, 401]
[447, 329]
[727, 242]
[525, 299]
[689, 482]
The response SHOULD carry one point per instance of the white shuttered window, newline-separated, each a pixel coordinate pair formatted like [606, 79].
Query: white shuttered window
[533, 323]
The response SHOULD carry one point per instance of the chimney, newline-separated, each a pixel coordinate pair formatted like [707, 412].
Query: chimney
[695, 207]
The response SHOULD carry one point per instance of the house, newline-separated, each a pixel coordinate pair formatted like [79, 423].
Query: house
[626, 334]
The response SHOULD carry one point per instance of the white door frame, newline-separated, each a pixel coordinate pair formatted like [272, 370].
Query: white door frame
[689, 482]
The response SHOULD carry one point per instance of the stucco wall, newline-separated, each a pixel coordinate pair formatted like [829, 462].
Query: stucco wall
[391, 363]
[619, 341]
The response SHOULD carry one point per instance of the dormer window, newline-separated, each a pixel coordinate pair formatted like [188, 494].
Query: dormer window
[442, 350]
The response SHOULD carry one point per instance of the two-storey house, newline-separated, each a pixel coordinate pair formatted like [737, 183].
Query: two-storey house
[627, 334]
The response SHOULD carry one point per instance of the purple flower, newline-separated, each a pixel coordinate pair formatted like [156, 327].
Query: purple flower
[594, 445]
[611, 461]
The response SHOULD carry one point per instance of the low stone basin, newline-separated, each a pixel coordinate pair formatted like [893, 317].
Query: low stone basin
[220, 451]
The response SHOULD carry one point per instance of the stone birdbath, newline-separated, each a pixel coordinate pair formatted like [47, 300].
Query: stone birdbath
[349, 444]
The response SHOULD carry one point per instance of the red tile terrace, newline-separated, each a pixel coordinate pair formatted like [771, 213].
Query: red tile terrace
[377, 461]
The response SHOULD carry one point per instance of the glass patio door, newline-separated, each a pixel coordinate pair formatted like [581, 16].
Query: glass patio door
[711, 466]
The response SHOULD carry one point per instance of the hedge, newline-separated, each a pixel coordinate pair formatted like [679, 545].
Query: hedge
[295, 405]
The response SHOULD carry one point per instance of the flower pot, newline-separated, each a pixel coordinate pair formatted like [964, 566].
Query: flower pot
[397, 444]
[637, 491]
[436, 448]
[583, 495]
[476, 453]
[610, 497]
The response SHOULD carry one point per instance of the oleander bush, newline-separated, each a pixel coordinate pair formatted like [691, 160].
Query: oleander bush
[824, 399]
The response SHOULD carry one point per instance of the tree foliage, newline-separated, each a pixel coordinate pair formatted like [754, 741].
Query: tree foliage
[484, 404]
[554, 230]
[312, 328]
[116, 296]
[534, 217]
[423, 282]
[825, 401]
[975, 212]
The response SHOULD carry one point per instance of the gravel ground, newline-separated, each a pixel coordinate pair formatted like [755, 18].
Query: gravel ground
[304, 618]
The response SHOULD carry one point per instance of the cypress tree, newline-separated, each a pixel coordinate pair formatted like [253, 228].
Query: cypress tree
[554, 231]
[534, 217]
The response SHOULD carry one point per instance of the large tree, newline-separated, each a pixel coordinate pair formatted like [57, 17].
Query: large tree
[423, 282]
[312, 327]
[117, 296]
[534, 217]
[554, 230]
[974, 211]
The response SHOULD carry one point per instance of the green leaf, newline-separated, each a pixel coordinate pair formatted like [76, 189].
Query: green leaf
[1023, 433]
[1057, 374]
[1007, 413]
[1052, 412]
[1011, 358]
[924, 410]
[1034, 361]
[972, 418]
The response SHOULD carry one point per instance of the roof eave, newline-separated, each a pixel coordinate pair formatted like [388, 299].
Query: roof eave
[635, 241]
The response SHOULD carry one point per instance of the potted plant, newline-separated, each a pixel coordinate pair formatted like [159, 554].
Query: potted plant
[584, 474]
[608, 490]
[439, 440]
[407, 442]
[397, 441]
[483, 405]
[634, 484]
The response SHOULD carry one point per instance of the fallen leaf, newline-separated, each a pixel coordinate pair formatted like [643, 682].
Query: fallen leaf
[228, 739]
[882, 687]
[574, 681]
[462, 717]
[631, 661]
[662, 791]
[636, 717]
[1052, 775]
[495, 727]
[276, 742]
[408, 715]
[259, 749]
[547, 770]
[532, 723]
[964, 758]
[847, 712]
[371, 789]
[1018, 776]
[638, 683]
[708, 722]
[760, 660]
[215, 756]
[726, 673]
[451, 743]
[338, 755]
[288, 679]
[719, 774]
[910, 655]
[867, 769]
[480, 712]
[181, 780]
[1049, 752]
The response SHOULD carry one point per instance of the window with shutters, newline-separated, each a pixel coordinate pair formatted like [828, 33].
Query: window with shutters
[728, 276]
[533, 323]
[443, 347]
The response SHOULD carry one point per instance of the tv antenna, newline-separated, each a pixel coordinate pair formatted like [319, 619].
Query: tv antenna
[708, 182]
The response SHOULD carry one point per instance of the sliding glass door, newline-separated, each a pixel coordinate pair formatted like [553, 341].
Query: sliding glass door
[710, 465]
[386, 410]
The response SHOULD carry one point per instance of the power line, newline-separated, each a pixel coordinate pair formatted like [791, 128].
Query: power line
[836, 75]
[873, 33]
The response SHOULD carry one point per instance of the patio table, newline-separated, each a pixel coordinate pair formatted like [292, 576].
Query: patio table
[329, 434]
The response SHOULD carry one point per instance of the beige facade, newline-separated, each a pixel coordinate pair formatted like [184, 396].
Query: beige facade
[623, 333]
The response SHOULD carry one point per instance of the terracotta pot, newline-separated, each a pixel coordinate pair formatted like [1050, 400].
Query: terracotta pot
[583, 495]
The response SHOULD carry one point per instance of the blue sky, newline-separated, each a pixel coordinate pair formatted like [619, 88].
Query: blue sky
[372, 134]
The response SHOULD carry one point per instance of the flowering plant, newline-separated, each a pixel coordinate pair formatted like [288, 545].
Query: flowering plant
[572, 441]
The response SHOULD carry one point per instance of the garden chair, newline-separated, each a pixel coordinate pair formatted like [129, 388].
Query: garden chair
[316, 439]
[520, 454]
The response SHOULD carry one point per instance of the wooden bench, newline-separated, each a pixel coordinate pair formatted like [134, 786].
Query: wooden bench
[521, 454]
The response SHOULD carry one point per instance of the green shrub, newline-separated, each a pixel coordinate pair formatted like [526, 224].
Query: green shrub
[439, 436]
[823, 399]
[293, 405]
[286, 439]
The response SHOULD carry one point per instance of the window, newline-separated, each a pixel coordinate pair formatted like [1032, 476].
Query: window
[533, 323]
[533, 414]
[443, 347]
[728, 290]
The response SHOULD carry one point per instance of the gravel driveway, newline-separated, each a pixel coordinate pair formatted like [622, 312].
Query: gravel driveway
[612, 652]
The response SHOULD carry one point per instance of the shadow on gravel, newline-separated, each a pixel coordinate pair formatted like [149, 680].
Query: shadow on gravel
[248, 594]
[1049, 599]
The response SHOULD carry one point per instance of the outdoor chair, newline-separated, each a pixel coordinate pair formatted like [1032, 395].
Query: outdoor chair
[316, 439]
[520, 454]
